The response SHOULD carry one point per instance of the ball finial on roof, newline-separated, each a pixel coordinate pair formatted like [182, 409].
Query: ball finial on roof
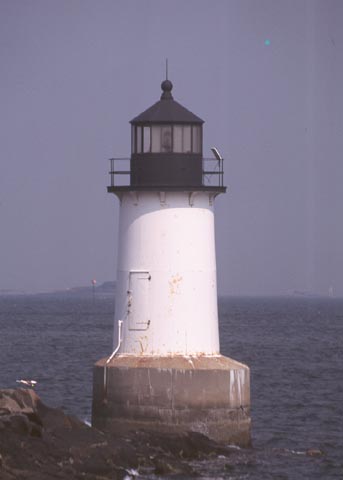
[167, 87]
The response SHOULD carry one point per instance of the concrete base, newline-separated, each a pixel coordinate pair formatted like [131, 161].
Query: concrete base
[206, 394]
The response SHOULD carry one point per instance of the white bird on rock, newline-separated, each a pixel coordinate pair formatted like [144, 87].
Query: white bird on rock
[29, 383]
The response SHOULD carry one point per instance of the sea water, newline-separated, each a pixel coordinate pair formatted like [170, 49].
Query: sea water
[293, 347]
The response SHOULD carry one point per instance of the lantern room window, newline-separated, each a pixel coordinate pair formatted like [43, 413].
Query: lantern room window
[196, 139]
[161, 139]
[146, 139]
[167, 139]
[139, 140]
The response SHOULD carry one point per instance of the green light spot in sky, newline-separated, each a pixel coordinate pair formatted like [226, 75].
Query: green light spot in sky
[267, 42]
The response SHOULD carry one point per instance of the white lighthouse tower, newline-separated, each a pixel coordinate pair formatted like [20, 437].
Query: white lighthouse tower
[166, 372]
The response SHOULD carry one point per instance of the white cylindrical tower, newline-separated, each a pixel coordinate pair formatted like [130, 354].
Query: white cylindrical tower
[166, 371]
[166, 280]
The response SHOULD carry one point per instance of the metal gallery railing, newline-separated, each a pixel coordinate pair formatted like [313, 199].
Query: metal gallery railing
[212, 172]
[120, 172]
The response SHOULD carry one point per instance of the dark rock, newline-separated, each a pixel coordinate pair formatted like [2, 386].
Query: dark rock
[17, 423]
[18, 412]
[35, 418]
[170, 466]
[39, 443]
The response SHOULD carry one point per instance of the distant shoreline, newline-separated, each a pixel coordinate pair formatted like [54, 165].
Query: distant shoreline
[108, 287]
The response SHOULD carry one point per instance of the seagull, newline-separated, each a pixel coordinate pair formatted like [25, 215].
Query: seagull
[29, 383]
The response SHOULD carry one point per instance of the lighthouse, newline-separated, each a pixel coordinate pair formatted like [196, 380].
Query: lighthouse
[165, 372]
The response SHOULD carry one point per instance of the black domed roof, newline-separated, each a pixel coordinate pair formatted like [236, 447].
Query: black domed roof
[167, 110]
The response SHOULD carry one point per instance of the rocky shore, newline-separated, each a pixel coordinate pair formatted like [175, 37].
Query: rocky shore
[41, 443]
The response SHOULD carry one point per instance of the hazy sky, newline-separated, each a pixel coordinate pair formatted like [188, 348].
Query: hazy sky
[73, 73]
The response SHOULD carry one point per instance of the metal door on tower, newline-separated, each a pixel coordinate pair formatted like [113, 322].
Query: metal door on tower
[139, 300]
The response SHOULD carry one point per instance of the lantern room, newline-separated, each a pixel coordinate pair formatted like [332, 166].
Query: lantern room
[167, 152]
[166, 144]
